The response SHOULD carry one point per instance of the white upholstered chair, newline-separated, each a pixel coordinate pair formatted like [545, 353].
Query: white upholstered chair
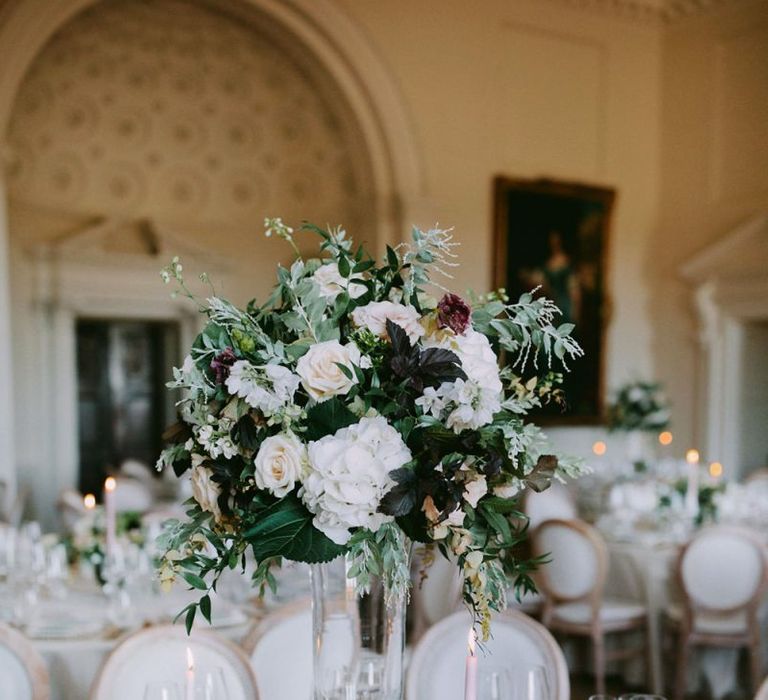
[133, 495]
[23, 673]
[554, 502]
[723, 575]
[157, 654]
[283, 634]
[71, 508]
[762, 693]
[572, 584]
[758, 480]
[436, 670]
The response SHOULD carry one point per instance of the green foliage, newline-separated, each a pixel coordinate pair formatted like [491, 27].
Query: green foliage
[285, 529]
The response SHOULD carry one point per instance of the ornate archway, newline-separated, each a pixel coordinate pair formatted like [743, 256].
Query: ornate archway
[315, 27]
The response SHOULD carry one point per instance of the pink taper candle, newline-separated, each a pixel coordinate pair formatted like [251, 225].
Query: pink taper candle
[110, 513]
[190, 683]
[470, 674]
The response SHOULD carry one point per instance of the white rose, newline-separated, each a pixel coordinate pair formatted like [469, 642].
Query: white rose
[319, 369]
[374, 317]
[349, 475]
[204, 489]
[280, 462]
[475, 490]
[331, 283]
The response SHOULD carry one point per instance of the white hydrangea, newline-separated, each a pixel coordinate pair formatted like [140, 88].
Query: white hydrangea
[466, 404]
[331, 283]
[268, 388]
[349, 475]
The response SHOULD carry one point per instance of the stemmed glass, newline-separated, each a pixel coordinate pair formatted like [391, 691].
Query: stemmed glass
[210, 685]
[526, 683]
[162, 690]
[494, 683]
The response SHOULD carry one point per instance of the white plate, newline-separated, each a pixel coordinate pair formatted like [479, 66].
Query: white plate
[64, 627]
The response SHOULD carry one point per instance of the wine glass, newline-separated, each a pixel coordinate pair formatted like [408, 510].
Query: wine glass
[494, 683]
[211, 685]
[162, 690]
[527, 683]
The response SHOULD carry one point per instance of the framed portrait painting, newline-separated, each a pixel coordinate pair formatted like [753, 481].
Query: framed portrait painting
[554, 235]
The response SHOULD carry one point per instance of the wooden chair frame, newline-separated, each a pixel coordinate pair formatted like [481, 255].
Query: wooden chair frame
[206, 637]
[35, 665]
[596, 629]
[689, 637]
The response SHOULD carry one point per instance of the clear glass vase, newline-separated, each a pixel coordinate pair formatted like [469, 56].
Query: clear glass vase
[359, 640]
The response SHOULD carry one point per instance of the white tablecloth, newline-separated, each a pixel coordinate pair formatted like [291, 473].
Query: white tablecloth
[73, 663]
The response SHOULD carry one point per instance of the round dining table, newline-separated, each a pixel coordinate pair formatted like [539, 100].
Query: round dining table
[642, 568]
[75, 633]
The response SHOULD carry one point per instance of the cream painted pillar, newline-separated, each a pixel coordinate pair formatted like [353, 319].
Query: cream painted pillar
[7, 451]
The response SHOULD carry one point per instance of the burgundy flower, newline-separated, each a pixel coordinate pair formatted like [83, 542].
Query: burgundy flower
[454, 313]
[221, 364]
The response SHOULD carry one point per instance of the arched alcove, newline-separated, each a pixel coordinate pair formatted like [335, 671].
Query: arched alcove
[190, 120]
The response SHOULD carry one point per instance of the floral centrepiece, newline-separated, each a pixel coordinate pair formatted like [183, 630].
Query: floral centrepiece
[353, 412]
[639, 406]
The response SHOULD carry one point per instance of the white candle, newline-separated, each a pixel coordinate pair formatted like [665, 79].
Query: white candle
[715, 472]
[692, 493]
[470, 674]
[110, 513]
[190, 683]
[89, 501]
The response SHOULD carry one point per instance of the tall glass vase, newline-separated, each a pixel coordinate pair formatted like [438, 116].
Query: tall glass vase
[359, 640]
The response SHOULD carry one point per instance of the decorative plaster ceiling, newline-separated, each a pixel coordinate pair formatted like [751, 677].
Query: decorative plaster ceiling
[649, 10]
[166, 109]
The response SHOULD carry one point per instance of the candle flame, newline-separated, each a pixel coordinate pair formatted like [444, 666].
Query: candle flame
[599, 448]
[190, 660]
[665, 438]
[89, 501]
[472, 639]
[110, 484]
[715, 469]
[692, 456]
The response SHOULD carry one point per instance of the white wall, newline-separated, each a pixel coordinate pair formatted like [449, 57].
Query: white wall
[713, 177]
[753, 408]
[532, 88]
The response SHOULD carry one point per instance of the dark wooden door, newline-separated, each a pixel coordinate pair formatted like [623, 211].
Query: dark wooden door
[122, 370]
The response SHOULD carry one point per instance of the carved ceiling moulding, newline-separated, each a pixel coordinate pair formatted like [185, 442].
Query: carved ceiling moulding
[167, 107]
[648, 10]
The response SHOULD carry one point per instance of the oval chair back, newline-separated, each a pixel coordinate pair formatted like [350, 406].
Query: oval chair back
[158, 654]
[577, 567]
[285, 633]
[701, 571]
[436, 670]
[554, 502]
[23, 673]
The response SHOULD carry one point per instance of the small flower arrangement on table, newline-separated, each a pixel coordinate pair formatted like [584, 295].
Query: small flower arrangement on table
[353, 412]
[88, 540]
[639, 406]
